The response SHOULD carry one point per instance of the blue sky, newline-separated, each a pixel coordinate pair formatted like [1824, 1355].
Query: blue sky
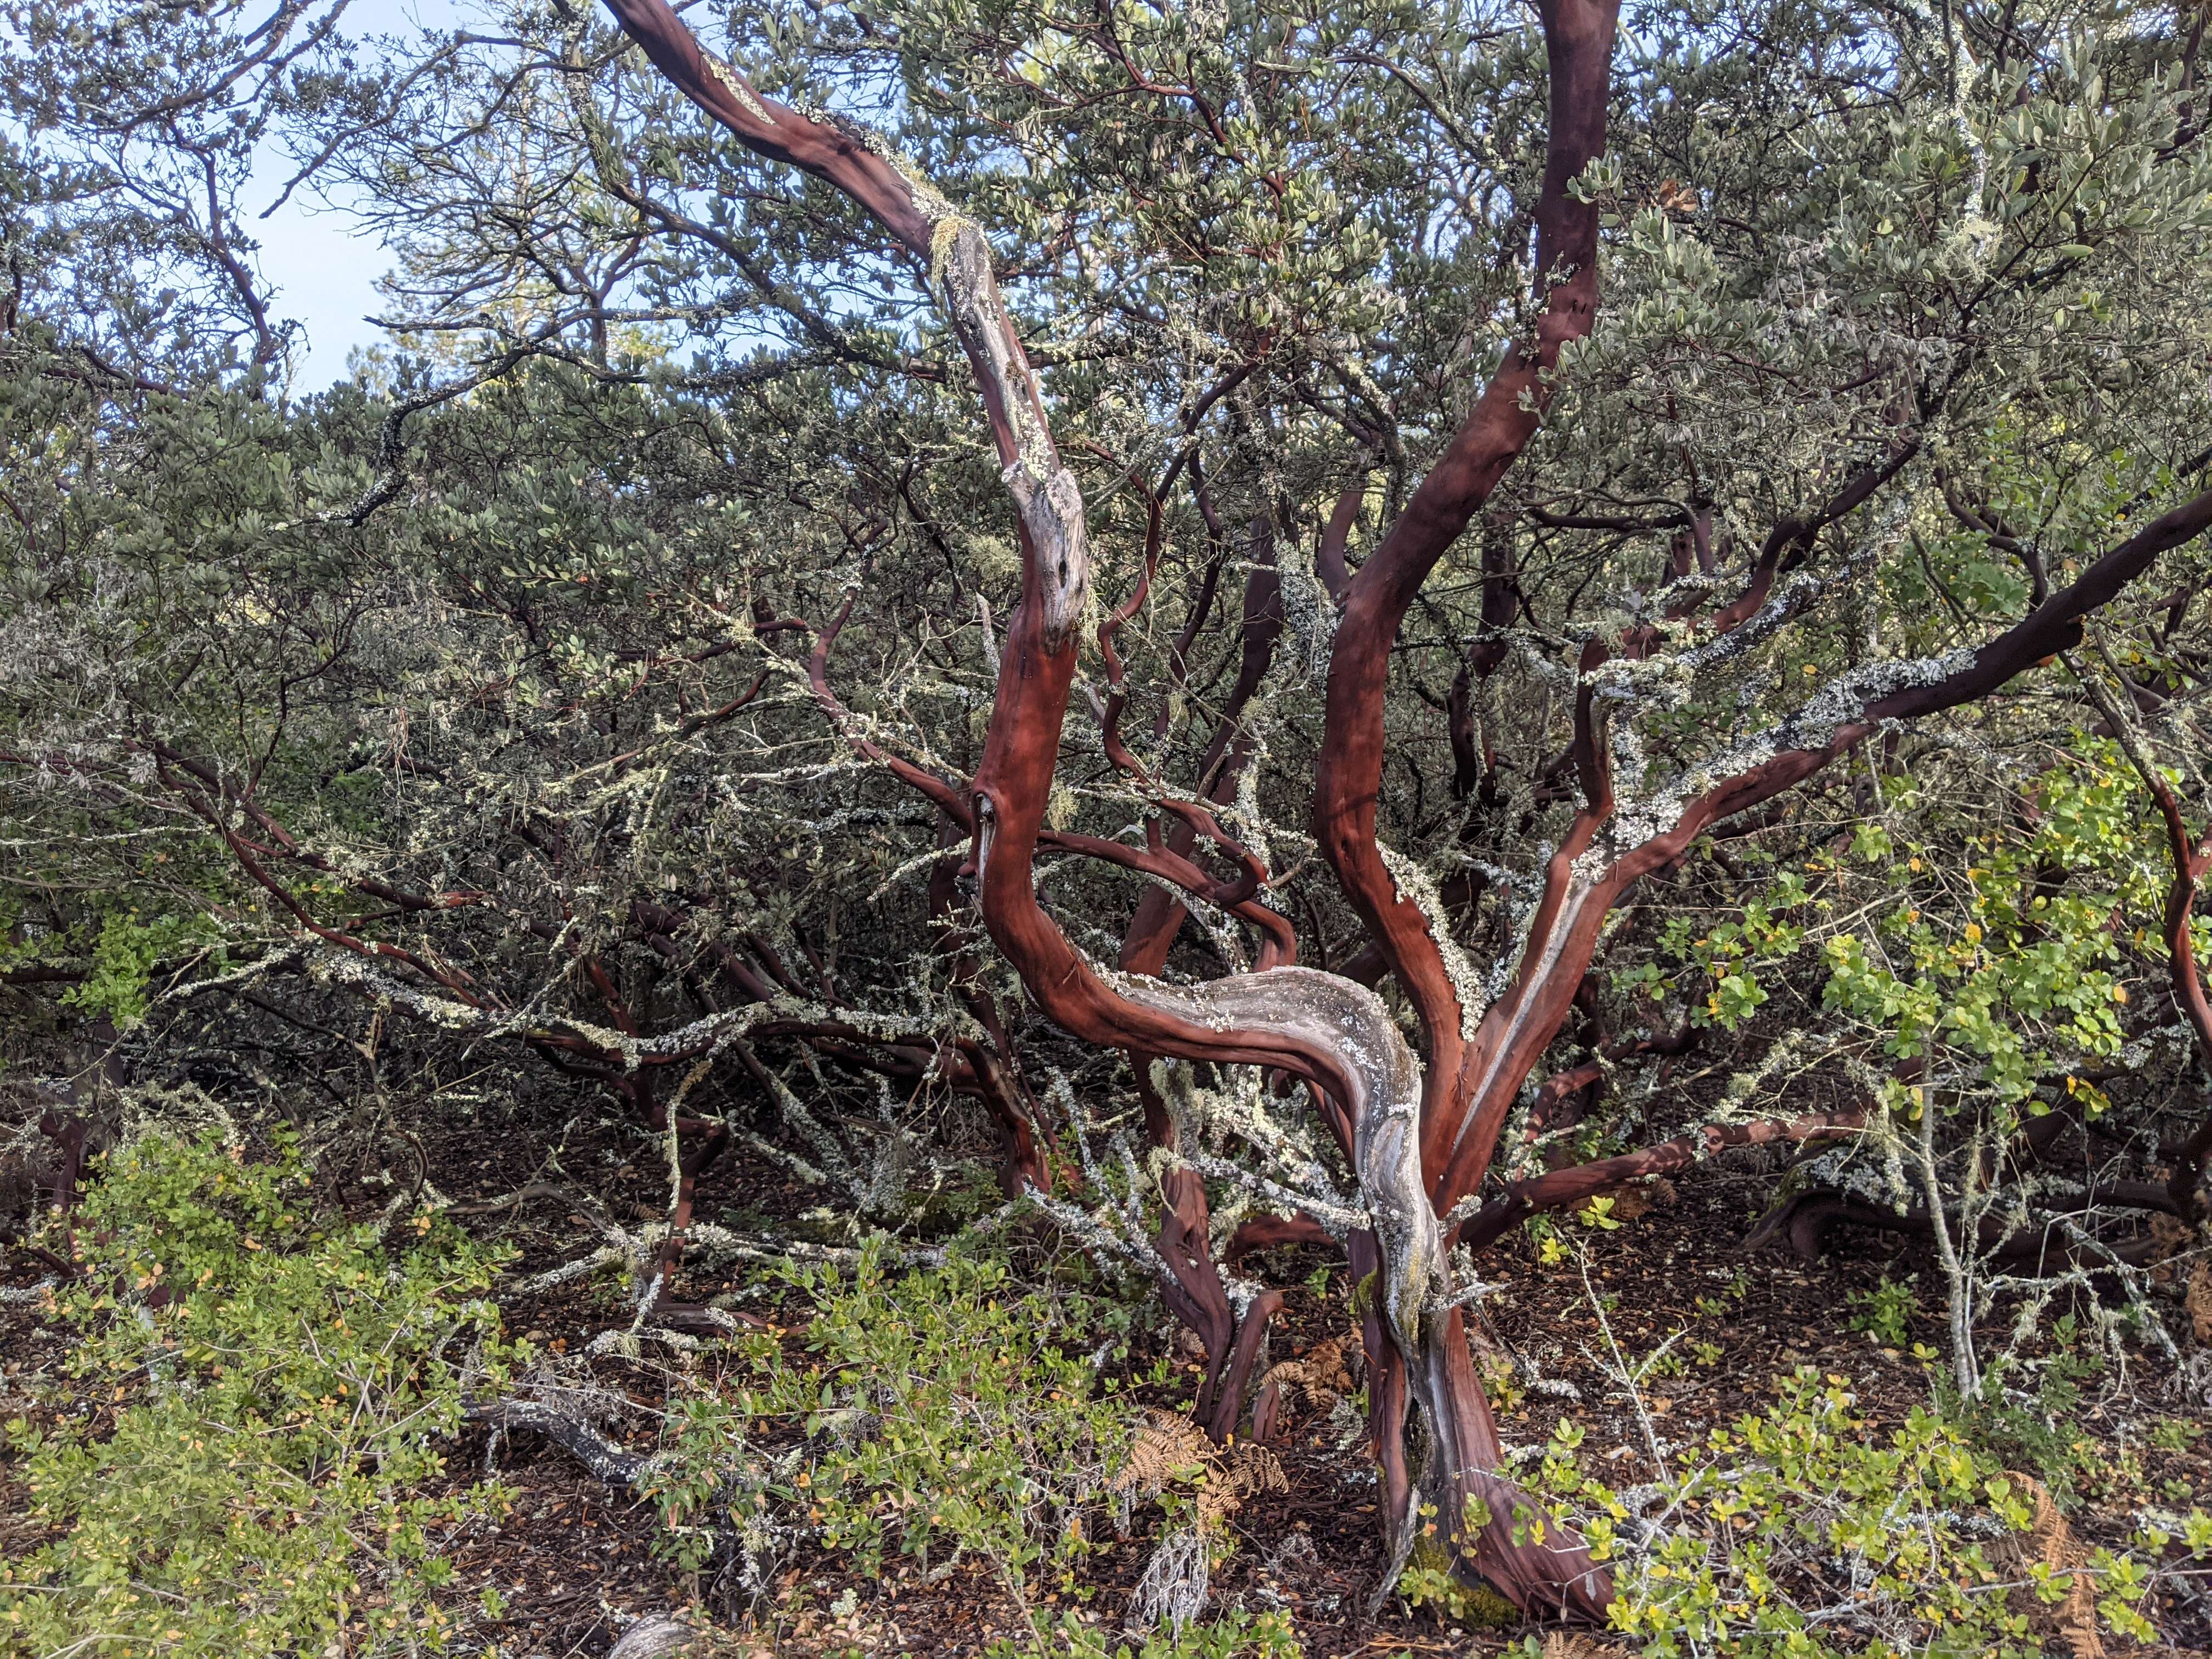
[324, 270]
[324, 275]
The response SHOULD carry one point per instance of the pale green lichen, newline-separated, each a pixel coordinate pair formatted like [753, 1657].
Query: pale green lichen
[1311, 614]
[943, 231]
[737, 87]
[1415, 887]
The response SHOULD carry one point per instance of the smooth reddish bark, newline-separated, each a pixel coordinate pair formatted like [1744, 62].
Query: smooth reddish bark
[1578, 37]
[1290, 1020]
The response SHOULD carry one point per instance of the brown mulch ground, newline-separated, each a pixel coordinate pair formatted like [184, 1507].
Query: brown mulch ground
[573, 1560]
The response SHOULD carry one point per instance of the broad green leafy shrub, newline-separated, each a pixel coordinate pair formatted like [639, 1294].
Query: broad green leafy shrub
[2038, 1429]
[1806, 1532]
[1233, 1636]
[123, 955]
[262, 1475]
[2021, 991]
[1884, 1312]
[935, 1413]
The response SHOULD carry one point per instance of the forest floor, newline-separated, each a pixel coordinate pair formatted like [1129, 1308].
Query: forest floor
[573, 1564]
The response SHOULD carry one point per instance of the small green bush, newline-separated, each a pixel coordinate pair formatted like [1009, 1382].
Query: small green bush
[939, 1416]
[2038, 1431]
[1233, 1636]
[1807, 1533]
[1884, 1312]
[258, 1470]
[124, 953]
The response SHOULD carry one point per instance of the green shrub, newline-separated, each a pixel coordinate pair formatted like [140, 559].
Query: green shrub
[258, 1469]
[1234, 1636]
[938, 1416]
[2040, 1431]
[124, 953]
[1885, 1312]
[1806, 1533]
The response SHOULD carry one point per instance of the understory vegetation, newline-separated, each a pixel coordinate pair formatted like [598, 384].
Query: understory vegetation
[1186, 830]
[265, 1434]
[259, 1457]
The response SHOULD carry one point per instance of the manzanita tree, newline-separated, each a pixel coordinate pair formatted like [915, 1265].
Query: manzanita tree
[1627, 443]
[1420, 1137]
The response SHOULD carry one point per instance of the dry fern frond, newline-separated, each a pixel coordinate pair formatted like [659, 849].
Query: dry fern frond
[1159, 1452]
[2050, 1537]
[1637, 1199]
[1169, 1447]
[2199, 1301]
[2169, 1236]
[1631, 1203]
[2049, 1544]
[1318, 1380]
[1248, 1471]
[2077, 1620]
